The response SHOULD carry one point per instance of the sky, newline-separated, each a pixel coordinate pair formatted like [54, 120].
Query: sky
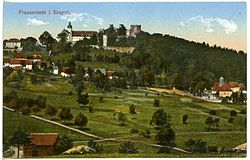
[220, 23]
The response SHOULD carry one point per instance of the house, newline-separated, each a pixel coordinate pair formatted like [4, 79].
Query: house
[226, 89]
[55, 70]
[74, 36]
[102, 70]
[15, 64]
[6, 62]
[241, 148]
[28, 65]
[109, 74]
[42, 64]
[21, 56]
[41, 144]
[36, 58]
[13, 43]
[64, 71]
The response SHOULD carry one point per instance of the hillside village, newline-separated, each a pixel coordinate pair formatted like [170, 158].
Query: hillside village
[116, 78]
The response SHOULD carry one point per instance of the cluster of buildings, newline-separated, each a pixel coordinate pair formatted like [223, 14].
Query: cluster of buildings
[12, 43]
[23, 61]
[223, 89]
[73, 36]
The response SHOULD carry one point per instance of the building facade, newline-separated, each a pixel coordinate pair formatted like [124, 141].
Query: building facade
[41, 145]
[74, 36]
[13, 43]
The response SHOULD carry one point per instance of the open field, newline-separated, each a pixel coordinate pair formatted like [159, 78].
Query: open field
[103, 123]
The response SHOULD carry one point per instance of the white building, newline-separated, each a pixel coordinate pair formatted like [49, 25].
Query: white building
[13, 43]
[55, 70]
[74, 36]
[28, 65]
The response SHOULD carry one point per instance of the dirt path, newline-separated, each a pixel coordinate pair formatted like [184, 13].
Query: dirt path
[95, 136]
[178, 92]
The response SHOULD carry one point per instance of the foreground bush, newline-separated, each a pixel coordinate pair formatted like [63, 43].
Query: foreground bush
[127, 147]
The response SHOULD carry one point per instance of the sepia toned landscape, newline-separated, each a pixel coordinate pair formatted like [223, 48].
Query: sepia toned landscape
[93, 80]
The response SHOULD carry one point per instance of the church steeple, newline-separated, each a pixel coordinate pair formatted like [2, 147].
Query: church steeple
[69, 26]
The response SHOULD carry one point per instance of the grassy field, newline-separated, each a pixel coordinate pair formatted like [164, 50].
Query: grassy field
[103, 123]
[13, 120]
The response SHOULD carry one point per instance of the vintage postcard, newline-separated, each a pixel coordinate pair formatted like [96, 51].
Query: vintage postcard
[124, 79]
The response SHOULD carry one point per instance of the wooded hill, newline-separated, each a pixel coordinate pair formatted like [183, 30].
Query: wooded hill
[186, 64]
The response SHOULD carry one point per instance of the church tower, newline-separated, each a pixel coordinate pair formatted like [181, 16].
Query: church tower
[69, 29]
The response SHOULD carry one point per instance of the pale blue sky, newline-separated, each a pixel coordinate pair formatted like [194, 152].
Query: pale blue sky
[216, 23]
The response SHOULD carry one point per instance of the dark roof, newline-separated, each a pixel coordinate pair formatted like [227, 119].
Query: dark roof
[43, 139]
[84, 33]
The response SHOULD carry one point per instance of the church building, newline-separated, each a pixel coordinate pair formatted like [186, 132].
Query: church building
[74, 36]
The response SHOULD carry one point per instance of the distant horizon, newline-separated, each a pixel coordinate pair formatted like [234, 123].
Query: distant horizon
[221, 24]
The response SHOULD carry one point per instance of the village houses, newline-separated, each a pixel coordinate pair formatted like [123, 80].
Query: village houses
[224, 89]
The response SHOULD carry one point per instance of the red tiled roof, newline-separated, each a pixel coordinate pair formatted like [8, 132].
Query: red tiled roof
[42, 63]
[65, 69]
[13, 61]
[21, 55]
[84, 33]
[6, 60]
[109, 73]
[36, 57]
[218, 87]
[242, 86]
[233, 84]
[43, 139]
[28, 62]
[18, 68]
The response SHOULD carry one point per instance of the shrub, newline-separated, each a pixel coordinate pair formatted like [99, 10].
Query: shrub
[25, 110]
[213, 149]
[101, 99]
[81, 120]
[127, 147]
[156, 102]
[63, 144]
[230, 120]
[35, 109]
[233, 113]
[70, 93]
[196, 145]
[95, 146]
[184, 119]
[132, 109]
[243, 111]
[212, 112]
[50, 110]
[133, 130]
[65, 114]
